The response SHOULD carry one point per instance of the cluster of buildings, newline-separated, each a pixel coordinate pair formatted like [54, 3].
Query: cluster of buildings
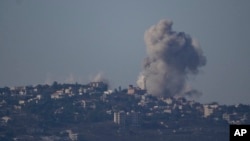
[124, 119]
[135, 90]
[186, 108]
[129, 109]
[147, 104]
[93, 87]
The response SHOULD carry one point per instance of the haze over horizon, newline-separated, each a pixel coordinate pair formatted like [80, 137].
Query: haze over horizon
[73, 41]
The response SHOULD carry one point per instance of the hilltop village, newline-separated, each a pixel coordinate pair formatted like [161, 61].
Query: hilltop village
[72, 112]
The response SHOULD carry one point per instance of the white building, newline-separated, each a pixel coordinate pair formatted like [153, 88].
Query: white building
[5, 119]
[21, 102]
[168, 101]
[72, 136]
[120, 118]
[57, 95]
[207, 110]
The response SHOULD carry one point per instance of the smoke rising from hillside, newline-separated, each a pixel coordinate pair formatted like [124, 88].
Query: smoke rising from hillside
[99, 77]
[172, 56]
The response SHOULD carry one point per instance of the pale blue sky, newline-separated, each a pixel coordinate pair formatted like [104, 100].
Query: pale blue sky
[64, 39]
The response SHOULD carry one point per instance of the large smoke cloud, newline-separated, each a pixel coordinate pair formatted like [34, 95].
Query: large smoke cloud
[172, 56]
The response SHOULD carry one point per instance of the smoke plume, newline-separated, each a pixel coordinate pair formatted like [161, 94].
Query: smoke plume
[172, 56]
[70, 79]
[99, 77]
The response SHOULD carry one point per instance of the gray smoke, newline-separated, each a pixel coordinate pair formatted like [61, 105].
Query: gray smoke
[172, 56]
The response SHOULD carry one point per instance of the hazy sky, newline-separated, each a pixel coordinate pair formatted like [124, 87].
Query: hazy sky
[73, 40]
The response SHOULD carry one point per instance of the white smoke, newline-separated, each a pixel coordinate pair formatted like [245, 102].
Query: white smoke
[70, 79]
[100, 77]
[48, 79]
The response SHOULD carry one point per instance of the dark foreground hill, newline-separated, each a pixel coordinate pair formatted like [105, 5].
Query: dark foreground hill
[71, 112]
